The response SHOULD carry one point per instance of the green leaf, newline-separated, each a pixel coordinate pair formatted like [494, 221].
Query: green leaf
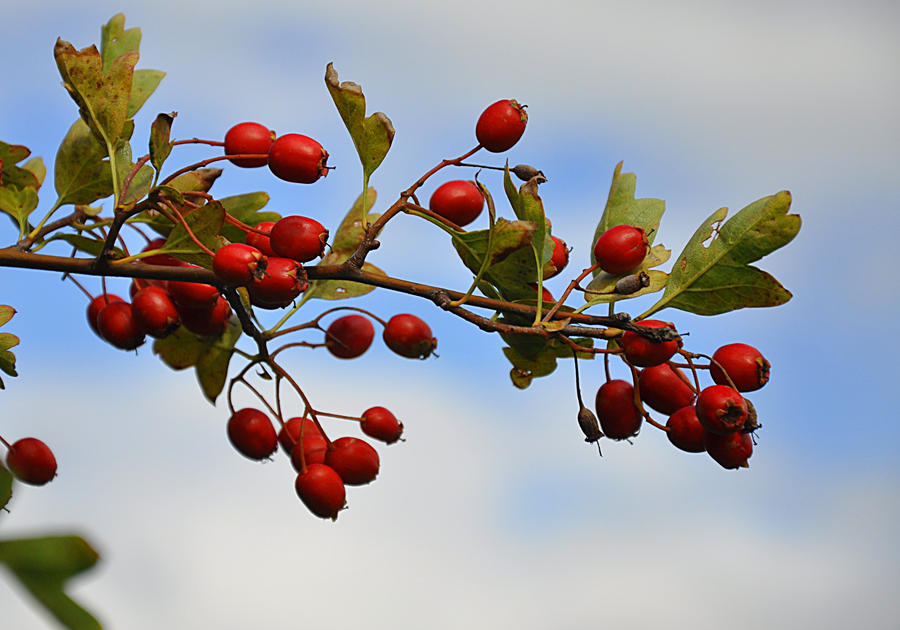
[526, 369]
[180, 350]
[160, 144]
[143, 179]
[12, 175]
[101, 90]
[143, 85]
[200, 180]
[6, 313]
[18, 203]
[115, 41]
[533, 357]
[36, 167]
[717, 277]
[212, 367]
[373, 135]
[246, 208]
[85, 244]
[6, 482]
[44, 565]
[205, 223]
[350, 232]
[81, 176]
[622, 208]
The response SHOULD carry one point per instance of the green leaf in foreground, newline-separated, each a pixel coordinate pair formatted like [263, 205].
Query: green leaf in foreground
[713, 278]
[44, 565]
[372, 136]
[6, 481]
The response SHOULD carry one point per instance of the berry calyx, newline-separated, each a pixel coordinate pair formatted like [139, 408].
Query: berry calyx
[299, 238]
[621, 248]
[249, 137]
[321, 490]
[409, 336]
[558, 260]
[297, 158]
[665, 388]
[616, 410]
[747, 367]
[283, 281]
[116, 325]
[31, 461]
[643, 352]
[252, 434]
[381, 424]
[685, 431]
[731, 451]
[354, 460]
[154, 312]
[260, 241]
[239, 264]
[459, 201]
[349, 336]
[501, 125]
[721, 409]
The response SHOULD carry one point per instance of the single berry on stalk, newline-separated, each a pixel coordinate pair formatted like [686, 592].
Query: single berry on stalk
[354, 460]
[459, 201]
[249, 138]
[381, 424]
[721, 409]
[31, 461]
[349, 336]
[299, 238]
[297, 158]
[501, 125]
[321, 490]
[621, 248]
[239, 264]
[616, 410]
[409, 336]
[252, 434]
[747, 367]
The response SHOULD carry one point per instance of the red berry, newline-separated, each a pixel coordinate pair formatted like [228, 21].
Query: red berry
[300, 238]
[239, 264]
[721, 409]
[31, 461]
[297, 158]
[96, 305]
[621, 248]
[116, 325]
[665, 388]
[643, 352]
[501, 125]
[350, 336]
[142, 283]
[558, 260]
[685, 430]
[354, 460]
[192, 294]
[730, 451]
[260, 242]
[313, 450]
[252, 434]
[249, 137]
[381, 424]
[321, 490]
[618, 415]
[409, 336]
[289, 434]
[744, 364]
[283, 281]
[154, 312]
[159, 259]
[459, 201]
[207, 322]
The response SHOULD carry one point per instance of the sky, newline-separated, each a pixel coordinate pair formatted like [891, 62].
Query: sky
[494, 512]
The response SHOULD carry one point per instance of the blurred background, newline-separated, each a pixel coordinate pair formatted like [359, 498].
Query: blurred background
[494, 512]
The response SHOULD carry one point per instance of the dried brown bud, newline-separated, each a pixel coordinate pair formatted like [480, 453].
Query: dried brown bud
[589, 425]
[526, 172]
[632, 284]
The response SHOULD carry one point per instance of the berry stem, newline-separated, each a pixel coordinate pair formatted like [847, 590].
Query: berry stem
[338, 415]
[180, 219]
[5, 443]
[212, 143]
[639, 403]
[202, 163]
[574, 283]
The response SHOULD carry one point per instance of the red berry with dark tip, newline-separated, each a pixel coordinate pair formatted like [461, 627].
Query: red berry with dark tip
[349, 336]
[260, 241]
[96, 305]
[558, 260]
[249, 138]
[239, 264]
[501, 125]
[321, 490]
[731, 450]
[116, 325]
[381, 424]
[746, 366]
[154, 312]
[31, 461]
[283, 281]
[252, 434]
[685, 430]
[313, 449]
[207, 322]
[621, 248]
[297, 158]
[409, 336]
[643, 352]
[289, 434]
[300, 238]
[458, 201]
[665, 388]
[354, 460]
[617, 413]
[721, 409]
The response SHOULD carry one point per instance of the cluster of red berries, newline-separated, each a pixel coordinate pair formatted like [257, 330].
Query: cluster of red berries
[31, 461]
[409, 336]
[292, 157]
[324, 467]
[716, 419]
